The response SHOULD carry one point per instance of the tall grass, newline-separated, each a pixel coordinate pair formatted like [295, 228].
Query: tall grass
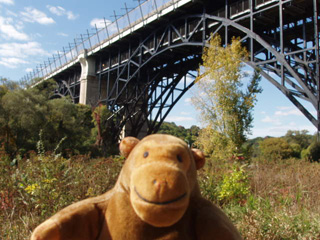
[284, 201]
[43, 184]
[266, 199]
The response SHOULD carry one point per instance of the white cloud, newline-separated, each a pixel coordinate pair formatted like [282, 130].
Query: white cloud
[274, 121]
[29, 70]
[179, 119]
[22, 50]
[294, 112]
[99, 22]
[13, 55]
[60, 11]
[278, 131]
[10, 13]
[34, 15]
[9, 2]
[12, 62]
[284, 108]
[185, 113]
[187, 100]
[9, 31]
[291, 112]
[62, 34]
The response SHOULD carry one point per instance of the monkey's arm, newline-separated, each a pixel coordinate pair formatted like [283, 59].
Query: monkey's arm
[80, 221]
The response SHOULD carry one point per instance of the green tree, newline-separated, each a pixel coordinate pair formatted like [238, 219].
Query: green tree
[313, 152]
[275, 149]
[24, 112]
[299, 137]
[189, 135]
[224, 103]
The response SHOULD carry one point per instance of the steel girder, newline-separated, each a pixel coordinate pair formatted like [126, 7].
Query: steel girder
[169, 53]
[65, 89]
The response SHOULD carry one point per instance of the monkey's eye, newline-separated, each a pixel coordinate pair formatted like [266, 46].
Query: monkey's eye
[179, 158]
[146, 154]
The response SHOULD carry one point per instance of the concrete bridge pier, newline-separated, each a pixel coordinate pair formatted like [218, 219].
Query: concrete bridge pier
[89, 84]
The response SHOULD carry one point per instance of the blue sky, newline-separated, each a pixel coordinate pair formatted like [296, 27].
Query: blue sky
[33, 30]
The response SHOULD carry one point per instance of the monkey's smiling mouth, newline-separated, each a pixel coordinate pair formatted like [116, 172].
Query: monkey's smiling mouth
[160, 203]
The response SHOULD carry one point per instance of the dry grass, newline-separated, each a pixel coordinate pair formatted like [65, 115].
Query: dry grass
[294, 182]
[42, 185]
[283, 202]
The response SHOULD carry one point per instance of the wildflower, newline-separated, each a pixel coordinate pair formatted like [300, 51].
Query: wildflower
[32, 188]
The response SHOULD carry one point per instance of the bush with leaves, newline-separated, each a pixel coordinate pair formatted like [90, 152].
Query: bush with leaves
[234, 186]
[24, 112]
[301, 138]
[313, 152]
[275, 149]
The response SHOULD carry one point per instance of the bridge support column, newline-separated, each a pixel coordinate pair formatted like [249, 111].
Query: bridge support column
[127, 129]
[89, 84]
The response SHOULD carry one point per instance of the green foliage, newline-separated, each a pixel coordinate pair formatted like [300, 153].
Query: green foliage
[225, 105]
[301, 138]
[296, 148]
[224, 182]
[235, 186]
[189, 135]
[276, 149]
[282, 203]
[44, 184]
[314, 152]
[103, 130]
[24, 112]
[215, 144]
[7, 85]
[305, 154]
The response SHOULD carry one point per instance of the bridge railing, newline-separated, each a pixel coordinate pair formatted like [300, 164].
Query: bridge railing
[91, 41]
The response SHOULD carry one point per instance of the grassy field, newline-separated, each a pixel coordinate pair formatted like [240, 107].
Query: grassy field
[265, 199]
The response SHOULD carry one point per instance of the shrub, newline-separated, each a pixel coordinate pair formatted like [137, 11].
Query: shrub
[296, 150]
[223, 182]
[234, 186]
[314, 151]
[305, 154]
[275, 148]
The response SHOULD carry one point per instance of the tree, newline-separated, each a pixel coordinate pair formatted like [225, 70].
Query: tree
[8, 85]
[224, 103]
[26, 112]
[275, 149]
[189, 135]
[299, 137]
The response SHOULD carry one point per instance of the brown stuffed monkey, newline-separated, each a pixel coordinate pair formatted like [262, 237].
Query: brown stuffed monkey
[156, 197]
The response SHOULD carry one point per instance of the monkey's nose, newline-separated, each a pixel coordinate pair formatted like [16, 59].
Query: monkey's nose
[160, 185]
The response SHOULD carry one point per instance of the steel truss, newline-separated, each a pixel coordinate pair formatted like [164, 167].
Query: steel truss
[142, 79]
[68, 85]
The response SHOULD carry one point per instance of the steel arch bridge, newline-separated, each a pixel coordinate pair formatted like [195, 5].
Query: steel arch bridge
[142, 77]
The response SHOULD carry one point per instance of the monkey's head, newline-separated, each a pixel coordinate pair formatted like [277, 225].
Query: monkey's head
[160, 175]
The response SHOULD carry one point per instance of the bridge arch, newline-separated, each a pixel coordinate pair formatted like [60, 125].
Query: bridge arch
[189, 34]
[63, 90]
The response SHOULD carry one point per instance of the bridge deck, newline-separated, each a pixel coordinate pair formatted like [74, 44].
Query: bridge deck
[136, 19]
[144, 14]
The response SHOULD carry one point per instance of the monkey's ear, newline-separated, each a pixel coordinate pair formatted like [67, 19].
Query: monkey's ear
[199, 158]
[127, 144]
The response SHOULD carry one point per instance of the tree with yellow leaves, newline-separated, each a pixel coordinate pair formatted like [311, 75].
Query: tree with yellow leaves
[225, 105]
